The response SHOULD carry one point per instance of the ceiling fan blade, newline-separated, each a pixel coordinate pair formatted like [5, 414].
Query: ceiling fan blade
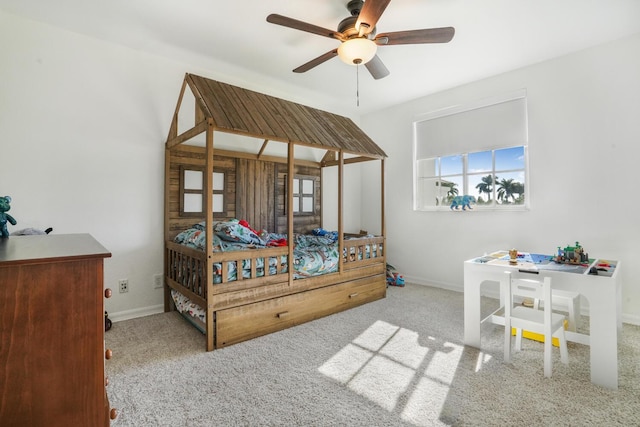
[317, 61]
[370, 13]
[377, 68]
[274, 18]
[429, 35]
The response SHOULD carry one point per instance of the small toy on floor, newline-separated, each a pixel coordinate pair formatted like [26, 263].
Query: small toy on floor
[399, 281]
[107, 321]
[393, 277]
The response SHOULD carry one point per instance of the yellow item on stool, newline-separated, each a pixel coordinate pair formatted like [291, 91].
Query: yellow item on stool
[539, 337]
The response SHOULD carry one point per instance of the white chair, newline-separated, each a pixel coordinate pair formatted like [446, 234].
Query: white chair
[543, 321]
[569, 301]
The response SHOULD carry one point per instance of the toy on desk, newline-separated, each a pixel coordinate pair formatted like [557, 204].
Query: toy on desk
[5, 206]
[464, 201]
[513, 256]
[571, 255]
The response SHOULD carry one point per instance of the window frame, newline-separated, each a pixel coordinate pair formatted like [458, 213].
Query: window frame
[420, 179]
[185, 191]
[443, 201]
[301, 195]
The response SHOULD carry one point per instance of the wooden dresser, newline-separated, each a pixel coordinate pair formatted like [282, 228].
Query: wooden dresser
[52, 351]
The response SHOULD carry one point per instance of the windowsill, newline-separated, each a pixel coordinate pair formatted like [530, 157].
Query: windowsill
[516, 208]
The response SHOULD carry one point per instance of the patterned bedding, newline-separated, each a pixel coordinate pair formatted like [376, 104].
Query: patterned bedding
[313, 254]
[190, 310]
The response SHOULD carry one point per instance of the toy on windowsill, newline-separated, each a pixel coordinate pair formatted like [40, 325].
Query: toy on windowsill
[464, 201]
[571, 255]
[5, 206]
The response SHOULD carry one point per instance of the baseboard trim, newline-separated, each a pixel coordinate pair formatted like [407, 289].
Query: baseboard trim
[135, 313]
[626, 318]
[441, 285]
[631, 319]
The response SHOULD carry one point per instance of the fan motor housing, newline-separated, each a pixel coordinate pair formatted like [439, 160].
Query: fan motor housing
[348, 25]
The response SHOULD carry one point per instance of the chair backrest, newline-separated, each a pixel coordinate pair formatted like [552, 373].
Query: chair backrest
[527, 287]
[530, 288]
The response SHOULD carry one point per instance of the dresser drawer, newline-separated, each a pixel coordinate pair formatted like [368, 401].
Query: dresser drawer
[253, 320]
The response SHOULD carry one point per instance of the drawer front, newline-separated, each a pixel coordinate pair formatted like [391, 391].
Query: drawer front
[239, 324]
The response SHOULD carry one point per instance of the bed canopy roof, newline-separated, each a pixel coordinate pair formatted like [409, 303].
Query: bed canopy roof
[232, 109]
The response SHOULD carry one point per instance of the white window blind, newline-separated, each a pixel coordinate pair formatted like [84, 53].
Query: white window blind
[485, 127]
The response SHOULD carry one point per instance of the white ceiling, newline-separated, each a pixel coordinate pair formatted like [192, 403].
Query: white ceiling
[233, 39]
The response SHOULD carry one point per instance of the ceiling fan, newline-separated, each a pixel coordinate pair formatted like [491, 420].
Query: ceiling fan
[357, 34]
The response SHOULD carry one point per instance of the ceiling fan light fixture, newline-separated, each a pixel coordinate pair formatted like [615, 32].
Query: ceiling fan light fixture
[357, 51]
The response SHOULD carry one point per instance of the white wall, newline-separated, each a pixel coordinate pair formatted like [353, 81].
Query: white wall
[82, 129]
[584, 151]
[83, 125]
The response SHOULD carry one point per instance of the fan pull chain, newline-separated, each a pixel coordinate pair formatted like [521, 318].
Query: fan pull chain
[357, 85]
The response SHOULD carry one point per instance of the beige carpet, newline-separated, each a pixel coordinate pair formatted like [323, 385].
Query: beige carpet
[398, 361]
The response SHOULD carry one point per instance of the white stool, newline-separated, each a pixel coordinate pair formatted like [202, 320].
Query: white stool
[570, 301]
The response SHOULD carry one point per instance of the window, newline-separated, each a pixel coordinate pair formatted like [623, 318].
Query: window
[192, 192]
[478, 151]
[493, 177]
[303, 195]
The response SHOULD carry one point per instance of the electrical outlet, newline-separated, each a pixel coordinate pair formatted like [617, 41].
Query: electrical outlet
[123, 285]
[157, 281]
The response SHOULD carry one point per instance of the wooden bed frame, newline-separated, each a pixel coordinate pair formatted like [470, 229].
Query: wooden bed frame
[260, 304]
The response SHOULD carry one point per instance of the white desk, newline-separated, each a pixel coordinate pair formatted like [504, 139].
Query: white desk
[603, 293]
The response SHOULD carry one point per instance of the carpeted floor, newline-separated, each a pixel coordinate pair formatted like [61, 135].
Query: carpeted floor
[395, 362]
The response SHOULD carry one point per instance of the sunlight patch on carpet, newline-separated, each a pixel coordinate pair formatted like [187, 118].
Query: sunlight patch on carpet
[398, 370]
[482, 359]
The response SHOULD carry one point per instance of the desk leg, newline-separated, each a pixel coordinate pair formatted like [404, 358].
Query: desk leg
[471, 311]
[604, 340]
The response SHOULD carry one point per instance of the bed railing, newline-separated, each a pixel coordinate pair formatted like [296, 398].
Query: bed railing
[363, 251]
[254, 264]
[186, 270]
[186, 267]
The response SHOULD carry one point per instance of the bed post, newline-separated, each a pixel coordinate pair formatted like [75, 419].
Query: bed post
[382, 219]
[290, 237]
[383, 225]
[167, 168]
[208, 198]
[340, 209]
[173, 133]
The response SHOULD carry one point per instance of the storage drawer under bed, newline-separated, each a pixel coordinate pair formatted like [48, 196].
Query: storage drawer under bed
[239, 324]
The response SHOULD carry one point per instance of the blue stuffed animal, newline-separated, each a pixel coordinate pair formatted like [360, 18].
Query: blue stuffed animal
[464, 201]
[5, 205]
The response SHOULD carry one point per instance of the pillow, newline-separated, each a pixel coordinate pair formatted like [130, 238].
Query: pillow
[234, 232]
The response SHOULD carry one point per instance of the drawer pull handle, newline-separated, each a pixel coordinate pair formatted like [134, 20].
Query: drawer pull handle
[108, 354]
[113, 413]
[283, 314]
[353, 295]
